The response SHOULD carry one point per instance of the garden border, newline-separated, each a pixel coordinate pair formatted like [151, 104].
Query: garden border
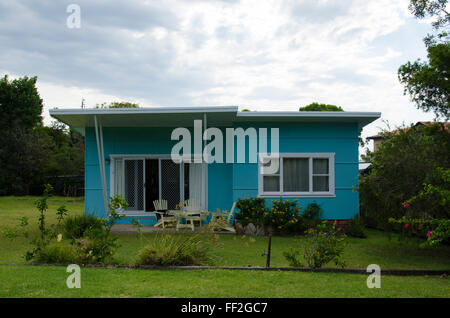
[392, 272]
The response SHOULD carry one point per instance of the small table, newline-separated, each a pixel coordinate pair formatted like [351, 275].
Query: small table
[181, 213]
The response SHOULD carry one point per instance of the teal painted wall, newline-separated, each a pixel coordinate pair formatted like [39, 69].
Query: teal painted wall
[228, 182]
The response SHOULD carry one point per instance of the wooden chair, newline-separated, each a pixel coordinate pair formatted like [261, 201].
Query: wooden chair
[192, 212]
[161, 210]
[220, 224]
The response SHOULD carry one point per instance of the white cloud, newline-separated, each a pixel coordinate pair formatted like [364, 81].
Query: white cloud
[259, 54]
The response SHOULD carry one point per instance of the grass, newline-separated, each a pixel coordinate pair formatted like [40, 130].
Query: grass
[232, 250]
[50, 281]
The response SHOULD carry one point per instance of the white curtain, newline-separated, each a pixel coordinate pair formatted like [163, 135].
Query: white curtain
[195, 181]
[295, 174]
[118, 177]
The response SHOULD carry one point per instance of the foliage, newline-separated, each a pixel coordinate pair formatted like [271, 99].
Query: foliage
[56, 253]
[324, 244]
[250, 210]
[42, 206]
[311, 216]
[284, 216]
[20, 103]
[357, 228]
[177, 250]
[408, 159]
[29, 152]
[436, 231]
[77, 226]
[437, 190]
[117, 105]
[98, 245]
[435, 9]
[427, 82]
[316, 107]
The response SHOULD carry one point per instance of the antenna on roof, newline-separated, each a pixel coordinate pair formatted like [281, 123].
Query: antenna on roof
[82, 103]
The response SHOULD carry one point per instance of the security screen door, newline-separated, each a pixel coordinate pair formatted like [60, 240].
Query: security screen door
[134, 184]
[141, 181]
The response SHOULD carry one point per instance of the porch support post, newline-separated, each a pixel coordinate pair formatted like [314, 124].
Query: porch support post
[101, 159]
[204, 168]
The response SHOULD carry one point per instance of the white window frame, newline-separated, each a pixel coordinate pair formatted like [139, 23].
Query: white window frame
[310, 193]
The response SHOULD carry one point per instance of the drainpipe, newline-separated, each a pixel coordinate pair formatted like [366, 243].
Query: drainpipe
[101, 159]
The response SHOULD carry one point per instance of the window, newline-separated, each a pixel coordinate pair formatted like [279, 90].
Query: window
[298, 174]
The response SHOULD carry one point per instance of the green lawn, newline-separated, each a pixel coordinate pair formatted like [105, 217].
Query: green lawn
[49, 281]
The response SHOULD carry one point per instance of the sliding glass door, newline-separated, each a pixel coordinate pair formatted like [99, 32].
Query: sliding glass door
[142, 181]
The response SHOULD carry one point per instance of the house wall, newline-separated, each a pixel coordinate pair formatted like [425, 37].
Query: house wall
[340, 138]
[119, 141]
[228, 182]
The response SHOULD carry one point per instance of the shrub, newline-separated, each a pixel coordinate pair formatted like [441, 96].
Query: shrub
[284, 216]
[323, 245]
[311, 216]
[357, 228]
[56, 253]
[98, 246]
[251, 210]
[433, 230]
[176, 250]
[77, 226]
[411, 163]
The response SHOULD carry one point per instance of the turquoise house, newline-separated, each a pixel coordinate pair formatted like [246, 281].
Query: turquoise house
[128, 152]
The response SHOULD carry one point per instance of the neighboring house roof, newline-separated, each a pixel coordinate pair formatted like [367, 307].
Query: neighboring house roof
[218, 116]
[419, 123]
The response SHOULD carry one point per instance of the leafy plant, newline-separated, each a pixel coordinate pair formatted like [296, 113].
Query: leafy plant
[284, 216]
[411, 163]
[77, 226]
[177, 250]
[357, 228]
[98, 246]
[250, 210]
[435, 231]
[56, 253]
[311, 216]
[323, 244]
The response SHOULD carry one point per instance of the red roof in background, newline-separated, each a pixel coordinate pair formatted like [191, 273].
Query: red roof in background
[425, 123]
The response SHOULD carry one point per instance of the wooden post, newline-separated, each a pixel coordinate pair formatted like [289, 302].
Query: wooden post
[269, 250]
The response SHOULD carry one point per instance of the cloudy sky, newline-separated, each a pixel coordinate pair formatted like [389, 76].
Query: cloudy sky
[261, 55]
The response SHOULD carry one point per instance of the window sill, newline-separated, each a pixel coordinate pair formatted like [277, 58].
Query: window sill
[303, 195]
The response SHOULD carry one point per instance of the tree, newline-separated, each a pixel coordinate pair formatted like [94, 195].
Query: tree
[22, 148]
[436, 9]
[406, 164]
[428, 82]
[20, 103]
[117, 105]
[316, 107]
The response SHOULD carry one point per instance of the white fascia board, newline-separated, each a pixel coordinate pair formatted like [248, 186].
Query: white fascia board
[142, 110]
[299, 114]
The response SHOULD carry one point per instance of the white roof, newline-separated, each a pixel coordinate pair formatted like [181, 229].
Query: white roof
[79, 118]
